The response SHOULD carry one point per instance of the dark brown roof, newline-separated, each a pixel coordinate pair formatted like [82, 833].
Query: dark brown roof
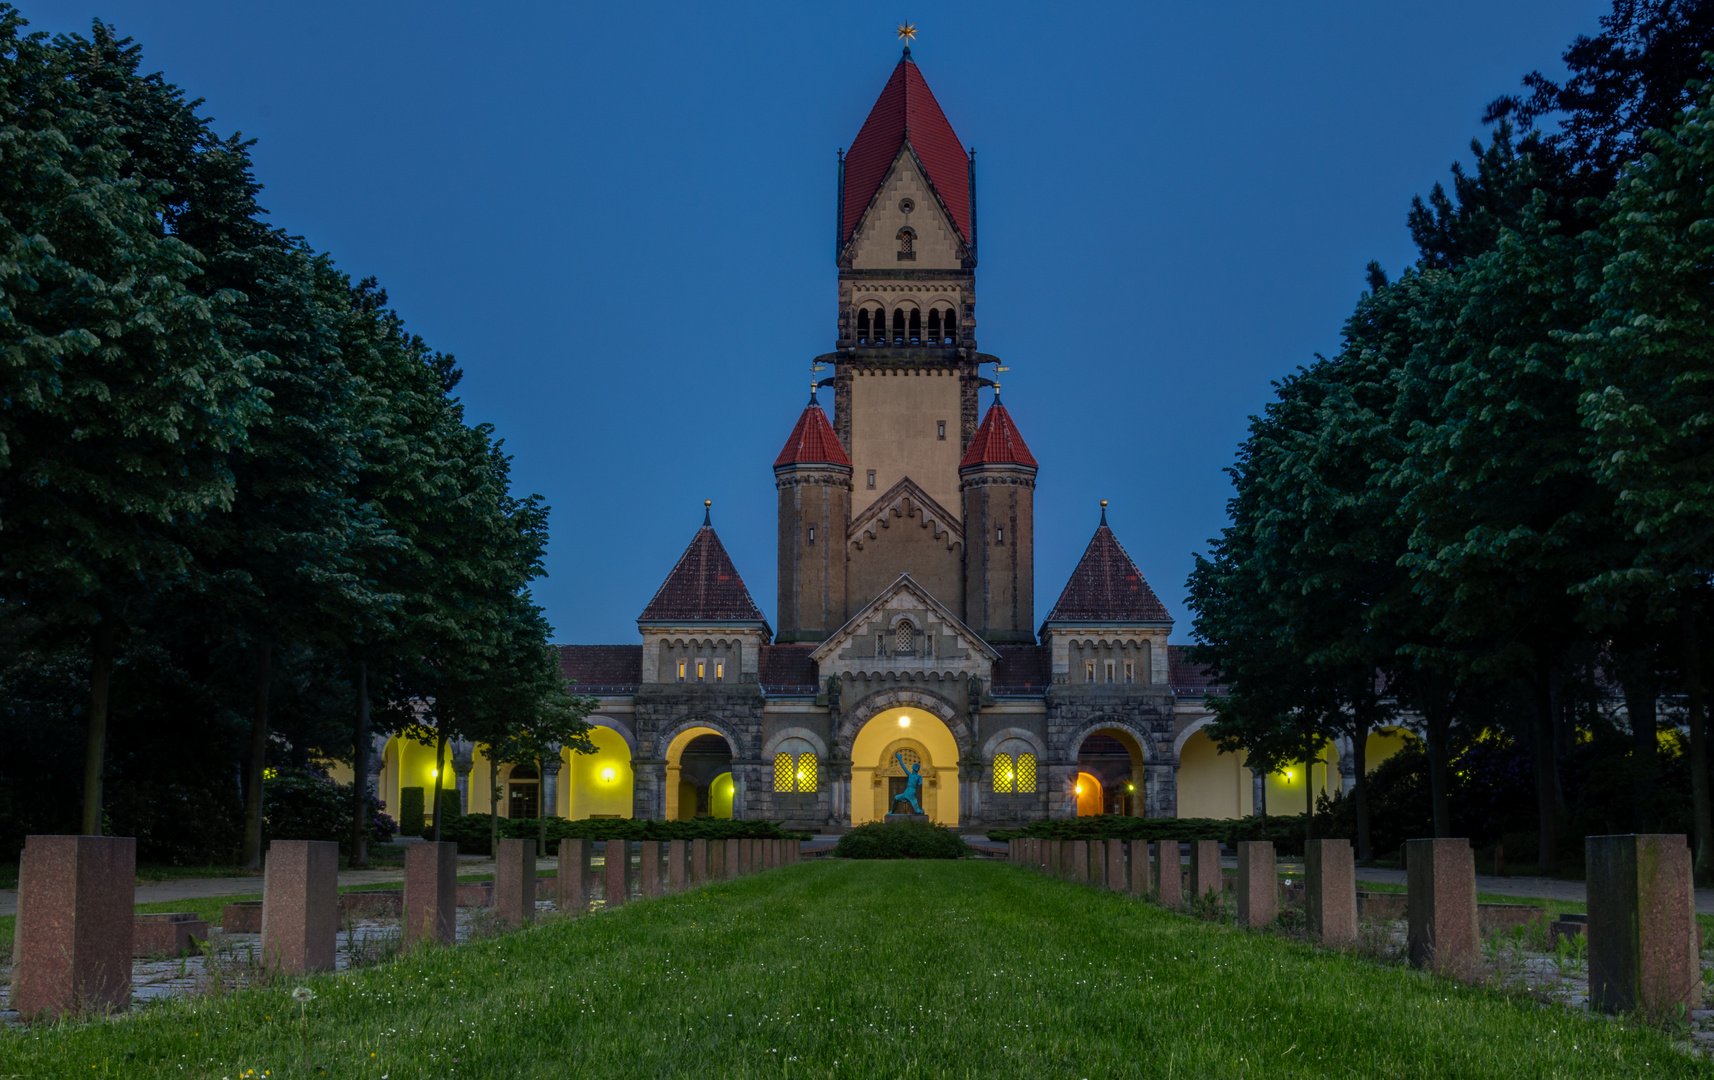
[1184, 676]
[601, 667]
[1107, 587]
[787, 667]
[703, 587]
[1023, 668]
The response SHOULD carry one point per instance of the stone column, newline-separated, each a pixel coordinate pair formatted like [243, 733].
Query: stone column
[1258, 794]
[732, 860]
[616, 871]
[431, 892]
[677, 865]
[1258, 883]
[573, 883]
[698, 862]
[71, 948]
[1116, 865]
[649, 868]
[1642, 924]
[550, 784]
[1139, 867]
[1169, 873]
[515, 882]
[463, 758]
[1330, 891]
[300, 906]
[1440, 906]
[1204, 868]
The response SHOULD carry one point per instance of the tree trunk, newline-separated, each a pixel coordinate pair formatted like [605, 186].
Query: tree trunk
[439, 773]
[493, 805]
[360, 774]
[95, 747]
[541, 806]
[1439, 771]
[1309, 801]
[258, 758]
[1546, 779]
[1701, 819]
[1360, 786]
[1641, 696]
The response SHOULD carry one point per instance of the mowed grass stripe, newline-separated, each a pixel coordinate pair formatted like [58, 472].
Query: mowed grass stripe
[866, 969]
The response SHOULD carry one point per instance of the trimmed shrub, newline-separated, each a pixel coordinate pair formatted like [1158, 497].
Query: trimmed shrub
[901, 840]
[411, 811]
[471, 831]
[305, 805]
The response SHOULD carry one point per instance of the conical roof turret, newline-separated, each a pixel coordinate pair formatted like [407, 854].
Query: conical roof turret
[813, 442]
[997, 442]
[704, 586]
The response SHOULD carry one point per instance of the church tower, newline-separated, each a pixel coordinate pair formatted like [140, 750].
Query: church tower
[998, 478]
[813, 476]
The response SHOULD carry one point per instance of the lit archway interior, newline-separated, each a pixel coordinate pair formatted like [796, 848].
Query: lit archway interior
[720, 796]
[875, 773]
[1110, 768]
[695, 758]
[599, 784]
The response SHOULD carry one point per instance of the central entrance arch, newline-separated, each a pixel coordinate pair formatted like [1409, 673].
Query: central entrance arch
[699, 775]
[919, 737]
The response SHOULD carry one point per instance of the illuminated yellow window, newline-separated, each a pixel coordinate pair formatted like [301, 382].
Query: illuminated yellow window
[806, 776]
[701, 670]
[1110, 671]
[719, 670]
[782, 772]
[1130, 672]
[1089, 671]
[681, 671]
[1026, 774]
[1003, 775]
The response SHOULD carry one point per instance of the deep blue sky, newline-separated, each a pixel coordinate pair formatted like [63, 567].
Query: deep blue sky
[619, 217]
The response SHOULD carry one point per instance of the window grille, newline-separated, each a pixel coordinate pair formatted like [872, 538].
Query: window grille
[1003, 773]
[905, 639]
[880, 644]
[782, 772]
[806, 773]
[1026, 784]
[911, 757]
[907, 242]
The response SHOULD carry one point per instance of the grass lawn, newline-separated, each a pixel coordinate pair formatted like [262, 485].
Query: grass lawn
[878, 970]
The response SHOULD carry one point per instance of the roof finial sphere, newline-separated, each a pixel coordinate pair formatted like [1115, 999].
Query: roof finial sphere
[1103, 511]
[707, 510]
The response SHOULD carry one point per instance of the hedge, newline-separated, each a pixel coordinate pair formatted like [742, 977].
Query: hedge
[1285, 832]
[471, 831]
[901, 840]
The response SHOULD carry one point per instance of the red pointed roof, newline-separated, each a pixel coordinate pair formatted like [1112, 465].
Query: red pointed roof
[997, 442]
[813, 441]
[1107, 587]
[703, 587]
[906, 107]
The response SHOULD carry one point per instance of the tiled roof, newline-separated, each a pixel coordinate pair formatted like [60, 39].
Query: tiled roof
[813, 442]
[1023, 668]
[601, 667]
[906, 107]
[785, 667]
[1107, 587]
[997, 442]
[703, 587]
[1183, 675]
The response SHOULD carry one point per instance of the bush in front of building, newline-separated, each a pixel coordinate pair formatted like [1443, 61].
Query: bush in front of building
[471, 832]
[410, 811]
[302, 804]
[901, 840]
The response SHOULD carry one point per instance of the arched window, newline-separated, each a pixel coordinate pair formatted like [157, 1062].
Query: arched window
[862, 326]
[795, 768]
[907, 244]
[523, 792]
[898, 326]
[916, 326]
[904, 639]
[1014, 768]
[949, 326]
[934, 326]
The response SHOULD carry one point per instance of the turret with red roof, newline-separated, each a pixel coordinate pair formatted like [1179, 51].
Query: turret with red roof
[998, 480]
[813, 476]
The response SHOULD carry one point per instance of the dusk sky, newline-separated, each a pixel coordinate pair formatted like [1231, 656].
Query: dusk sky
[620, 219]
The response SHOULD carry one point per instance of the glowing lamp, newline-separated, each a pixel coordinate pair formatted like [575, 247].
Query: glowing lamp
[1130, 787]
[434, 772]
[904, 721]
[1288, 774]
[1080, 789]
[607, 774]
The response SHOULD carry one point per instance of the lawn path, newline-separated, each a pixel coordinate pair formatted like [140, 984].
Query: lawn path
[879, 971]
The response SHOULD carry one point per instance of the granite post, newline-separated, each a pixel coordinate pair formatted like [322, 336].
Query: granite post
[1080, 861]
[677, 865]
[431, 892]
[300, 906]
[1116, 865]
[1440, 906]
[1169, 874]
[1139, 867]
[515, 883]
[1642, 924]
[573, 883]
[71, 947]
[770, 854]
[698, 861]
[1330, 891]
[616, 872]
[1204, 868]
[732, 859]
[1258, 883]
[649, 868]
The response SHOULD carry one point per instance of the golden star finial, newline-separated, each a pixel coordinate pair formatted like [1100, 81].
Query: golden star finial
[907, 31]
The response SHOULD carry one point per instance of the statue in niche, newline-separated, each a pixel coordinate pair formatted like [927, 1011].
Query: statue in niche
[973, 694]
[913, 784]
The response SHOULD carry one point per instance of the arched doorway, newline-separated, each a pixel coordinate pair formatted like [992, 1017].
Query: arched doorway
[523, 792]
[697, 759]
[917, 737]
[598, 785]
[1110, 774]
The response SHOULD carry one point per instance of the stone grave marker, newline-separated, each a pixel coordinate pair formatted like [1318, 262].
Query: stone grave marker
[1205, 874]
[71, 947]
[1258, 883]
[1440, 906]
[616, 872]
[431, 892]
[572, 885]
[1643, 948]
[515, 883]
[1169, 874]
[1330, 891]
[300, 906]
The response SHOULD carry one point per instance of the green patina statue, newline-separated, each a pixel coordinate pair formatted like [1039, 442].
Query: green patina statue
[913, 784]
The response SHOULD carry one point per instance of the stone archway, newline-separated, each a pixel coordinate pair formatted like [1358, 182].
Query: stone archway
[697, 755]
[1113, 756]
[924, 741]
[855, 718]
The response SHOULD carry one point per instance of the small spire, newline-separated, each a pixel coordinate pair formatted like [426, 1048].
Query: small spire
[1103, 511]
[708, 509]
